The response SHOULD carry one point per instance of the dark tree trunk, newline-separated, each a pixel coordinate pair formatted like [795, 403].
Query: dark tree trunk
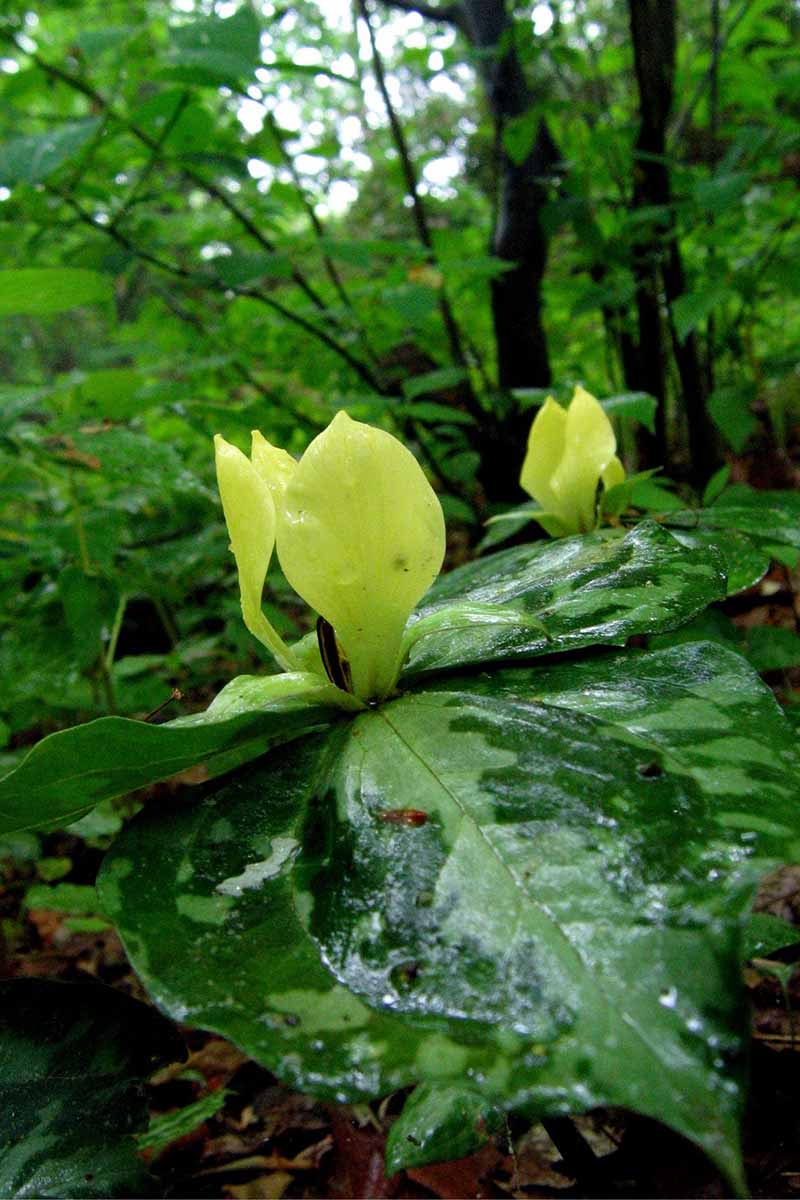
[657, 258]
[518, 236]
[653, 33]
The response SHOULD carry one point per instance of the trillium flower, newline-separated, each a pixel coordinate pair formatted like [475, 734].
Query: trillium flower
[571, 451]
[359, 534]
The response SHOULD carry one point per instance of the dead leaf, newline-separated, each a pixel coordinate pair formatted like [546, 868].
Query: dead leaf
[265, 1187]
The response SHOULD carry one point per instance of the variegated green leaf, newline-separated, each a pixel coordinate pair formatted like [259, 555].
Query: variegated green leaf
[75, 1058]
[561, 595]
[531, 885]
[745, 561]
[747, 527]
[438, 1124]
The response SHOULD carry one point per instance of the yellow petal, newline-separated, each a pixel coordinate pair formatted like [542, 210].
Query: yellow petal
[545, 450]
[613, 474]
[590, 445]
[250, 517]
[361, 538]
[275, 466]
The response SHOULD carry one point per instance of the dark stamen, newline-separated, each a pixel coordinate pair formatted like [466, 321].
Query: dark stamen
[337, 668]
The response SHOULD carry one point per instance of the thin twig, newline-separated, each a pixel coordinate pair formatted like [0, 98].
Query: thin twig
[212, 189]
[153, 159]
[316, 224]
[417, 206]
[684, 117]
[212, 283]
[242, 370]
[450, 14]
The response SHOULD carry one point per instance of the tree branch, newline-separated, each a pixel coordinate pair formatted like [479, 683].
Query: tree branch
[450, 14]
[417, 206]
[242, 370]
[316, 224]
[212, 283]
[685, 116]
[212, 189]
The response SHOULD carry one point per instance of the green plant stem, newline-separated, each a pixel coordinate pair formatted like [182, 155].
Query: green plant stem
[111, 649]
[167, 620]
[80, 530]
[108, 685]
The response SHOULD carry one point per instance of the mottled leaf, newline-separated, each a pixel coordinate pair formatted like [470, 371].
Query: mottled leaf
[511, 884]
[745, 561]
[560, 595]
[438, 1124]
[75, 1059]
[746, 526]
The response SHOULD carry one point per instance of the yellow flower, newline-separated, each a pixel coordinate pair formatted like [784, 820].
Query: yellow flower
[570, 452]
[359, 534]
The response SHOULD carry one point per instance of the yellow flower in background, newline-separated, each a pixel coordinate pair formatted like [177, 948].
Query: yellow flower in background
[360, 536]
[570, 452]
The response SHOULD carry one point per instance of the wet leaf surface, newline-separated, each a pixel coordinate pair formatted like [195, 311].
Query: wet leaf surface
[548, 597]
[75, 1057]
[550, 919]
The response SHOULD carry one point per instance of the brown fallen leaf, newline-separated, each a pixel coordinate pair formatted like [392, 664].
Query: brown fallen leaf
[464, 1178]
[265, 1187]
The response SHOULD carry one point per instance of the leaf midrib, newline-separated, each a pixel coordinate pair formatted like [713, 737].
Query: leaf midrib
[615, 1009]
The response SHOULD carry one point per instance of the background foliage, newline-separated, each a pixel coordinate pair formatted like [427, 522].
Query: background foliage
[221, 216]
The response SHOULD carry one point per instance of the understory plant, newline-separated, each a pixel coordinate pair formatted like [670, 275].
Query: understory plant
[475, 837]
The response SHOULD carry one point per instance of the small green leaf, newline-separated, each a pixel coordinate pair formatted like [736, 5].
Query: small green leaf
[32, 158]
[620, 497]
[168, 1127]
[90, 602]
[40, 291]
[433, 381]
[655, 496]
[78, 899]
[765, 933]
[438, 1124]
[771, 648]
[722, 192]
[216, 50]
[716, 484]
[75, 1057]
[633, 406]
[731, 412]
[520, 133]
[689, 310]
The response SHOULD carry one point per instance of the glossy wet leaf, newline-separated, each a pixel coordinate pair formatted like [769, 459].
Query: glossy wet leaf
[554, 596]
[75, 1059]
[68, 773]
[765, 934]
[744, 560]
[748, 527]
[438, 1124]
[513, 883]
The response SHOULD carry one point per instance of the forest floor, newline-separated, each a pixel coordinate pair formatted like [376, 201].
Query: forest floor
[265, 1141]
